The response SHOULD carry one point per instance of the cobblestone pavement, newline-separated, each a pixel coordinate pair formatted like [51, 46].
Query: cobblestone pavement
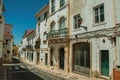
[59, 74]
[28, 72]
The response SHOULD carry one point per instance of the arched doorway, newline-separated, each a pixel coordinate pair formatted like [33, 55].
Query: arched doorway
[61, 62]
[51, 56]
[38, 57]
[46, 59]
[81, 58]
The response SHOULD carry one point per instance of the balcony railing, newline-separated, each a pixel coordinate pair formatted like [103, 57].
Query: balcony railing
[23, 49]
[29, 47]
[58, 33]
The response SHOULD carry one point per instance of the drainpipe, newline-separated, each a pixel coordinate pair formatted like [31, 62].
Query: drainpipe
[115, 22]
[68, 35]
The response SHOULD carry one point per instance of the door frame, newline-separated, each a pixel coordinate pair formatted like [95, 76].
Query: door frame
[72, 56]
[100, 68]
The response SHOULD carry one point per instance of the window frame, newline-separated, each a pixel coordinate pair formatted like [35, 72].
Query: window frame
[77, 21]
[45, 15]
[99, 13]
[52, 6]
[62, 23]
[62, 3]
[52, 26]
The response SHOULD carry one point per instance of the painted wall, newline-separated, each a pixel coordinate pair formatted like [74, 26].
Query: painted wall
[117, 2]
[85, 9]
[1, 30]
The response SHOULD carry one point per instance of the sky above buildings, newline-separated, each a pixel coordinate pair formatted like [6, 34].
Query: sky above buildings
[21, 14]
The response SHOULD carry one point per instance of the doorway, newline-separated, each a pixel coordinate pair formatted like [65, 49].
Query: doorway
[46, 59]
[51, 56]
[105, 62]
[62, 58]
[38, 56]
[81, 58]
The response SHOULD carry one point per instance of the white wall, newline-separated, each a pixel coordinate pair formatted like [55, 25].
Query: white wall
[117, 3]
[87, 15]
[86, 12]
[1, 31]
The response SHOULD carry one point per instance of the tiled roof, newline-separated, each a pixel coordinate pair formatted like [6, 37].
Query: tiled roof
[27, 32]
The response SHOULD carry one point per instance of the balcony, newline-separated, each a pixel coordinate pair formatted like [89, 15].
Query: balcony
[23, 49]
[61, 33]
[29, 47]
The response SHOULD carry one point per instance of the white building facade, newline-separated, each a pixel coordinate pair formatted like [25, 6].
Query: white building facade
[42, 27]
[58, 34]
[27, 47]
[94, 34]
[78, 36]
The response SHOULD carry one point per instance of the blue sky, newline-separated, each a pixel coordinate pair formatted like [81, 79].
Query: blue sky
[21, 14]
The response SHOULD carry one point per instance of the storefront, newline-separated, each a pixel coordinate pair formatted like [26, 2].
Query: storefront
[81, 58]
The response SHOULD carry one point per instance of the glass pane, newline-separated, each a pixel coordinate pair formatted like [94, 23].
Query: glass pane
[96, 11]
[52, 5]
[82, 58]
[62, 23]
[102, 9]
[87, 58]
[96, 19]
[62, 2]
[102, 17]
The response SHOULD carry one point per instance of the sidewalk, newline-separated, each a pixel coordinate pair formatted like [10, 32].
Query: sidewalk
[2, 73]
[63, 75]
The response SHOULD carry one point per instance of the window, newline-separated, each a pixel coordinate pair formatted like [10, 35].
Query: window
[45, 35]
[39, 18]
[52, 26]
[0, 2]
[99, 14]
[52, 6]
[45, 15]
[62, 3]
[44, 42]
[62, 26]
[62, 23]
[77, 21]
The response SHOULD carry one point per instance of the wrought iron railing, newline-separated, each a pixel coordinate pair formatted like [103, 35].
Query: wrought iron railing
[58, 33]
[29, 47]
[23, 49]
